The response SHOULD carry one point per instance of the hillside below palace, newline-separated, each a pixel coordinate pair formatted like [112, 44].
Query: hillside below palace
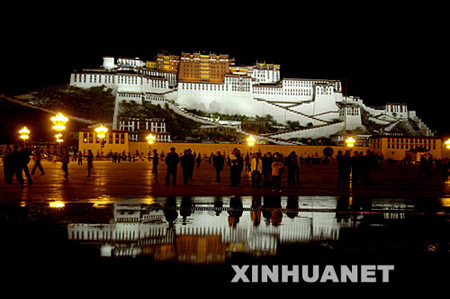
[213, 83]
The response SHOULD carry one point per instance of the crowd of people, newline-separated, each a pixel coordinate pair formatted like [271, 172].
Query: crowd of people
[359, 166]
[15, 164]
[264, 171]
[17, 158]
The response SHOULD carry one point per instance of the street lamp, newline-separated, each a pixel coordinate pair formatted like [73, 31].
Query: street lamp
[251, 141]
[350, 142]
[150, 139]
[101, 133]
[59, 138]
[447, 144]
[24, 134]
[59, 124]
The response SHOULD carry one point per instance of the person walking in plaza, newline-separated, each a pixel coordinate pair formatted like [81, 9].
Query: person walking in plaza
[22, 163]
[293, 169]
[37, 162]
[172, 160]
[234, 167]
[187, 162]
[247, 163]
[256, 170]
[218, 163]
[65, 162]
[155, 163]
[80, 158]
[277, 168]
[367, 166]
[267, 169]
[90, 162]
[17, 164]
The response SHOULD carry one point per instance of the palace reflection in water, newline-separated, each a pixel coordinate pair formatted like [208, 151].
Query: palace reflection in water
[208, 230]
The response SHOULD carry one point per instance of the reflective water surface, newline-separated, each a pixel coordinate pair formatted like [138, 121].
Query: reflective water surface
[198, 238]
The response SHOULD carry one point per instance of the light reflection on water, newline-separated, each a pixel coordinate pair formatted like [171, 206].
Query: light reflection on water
[208, 230]
[175, 239]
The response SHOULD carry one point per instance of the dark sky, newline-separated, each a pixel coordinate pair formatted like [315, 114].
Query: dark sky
[387, 53]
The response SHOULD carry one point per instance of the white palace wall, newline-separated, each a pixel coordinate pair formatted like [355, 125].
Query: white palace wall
[118, 82]
[236, 95]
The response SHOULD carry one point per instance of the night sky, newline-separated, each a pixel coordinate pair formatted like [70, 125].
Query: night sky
[387, 53]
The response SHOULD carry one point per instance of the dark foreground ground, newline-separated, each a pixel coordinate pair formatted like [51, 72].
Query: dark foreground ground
[37, 257]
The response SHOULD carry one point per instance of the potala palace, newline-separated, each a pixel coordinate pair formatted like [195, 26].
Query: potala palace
[213, 83]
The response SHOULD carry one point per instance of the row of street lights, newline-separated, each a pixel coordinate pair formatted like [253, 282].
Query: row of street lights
[349, 141]
[60, 121]
[59, 125]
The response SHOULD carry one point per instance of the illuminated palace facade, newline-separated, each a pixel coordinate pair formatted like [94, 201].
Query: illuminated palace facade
[214, 83]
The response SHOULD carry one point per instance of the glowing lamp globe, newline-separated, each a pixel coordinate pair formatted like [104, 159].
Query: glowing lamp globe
[150, 139]
[101, 131]
[350, 142]
[24, 134]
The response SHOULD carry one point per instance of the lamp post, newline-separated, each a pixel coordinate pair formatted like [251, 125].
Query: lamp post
[447, 144]
[251, 142]
[150, 139]
[59, 124]
[350, 142]
[101, 134]
[24, 134]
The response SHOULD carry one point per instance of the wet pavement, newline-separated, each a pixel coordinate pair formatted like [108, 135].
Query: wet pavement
[123, 230]
[135, 179]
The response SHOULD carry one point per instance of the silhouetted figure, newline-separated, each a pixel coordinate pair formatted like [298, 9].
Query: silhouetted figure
[267, 169]
[90, 162]
[155, 163]
[367, 165]
[80, 158]
[293, 169]
[186, 208]
[172, 160]
[234, 167]
[170, 210]
[235, 211]
[23, 158]
[426, 164]
[37, 162]
[17, 167]
[65, 162]
[187, 162]
[218, 163]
